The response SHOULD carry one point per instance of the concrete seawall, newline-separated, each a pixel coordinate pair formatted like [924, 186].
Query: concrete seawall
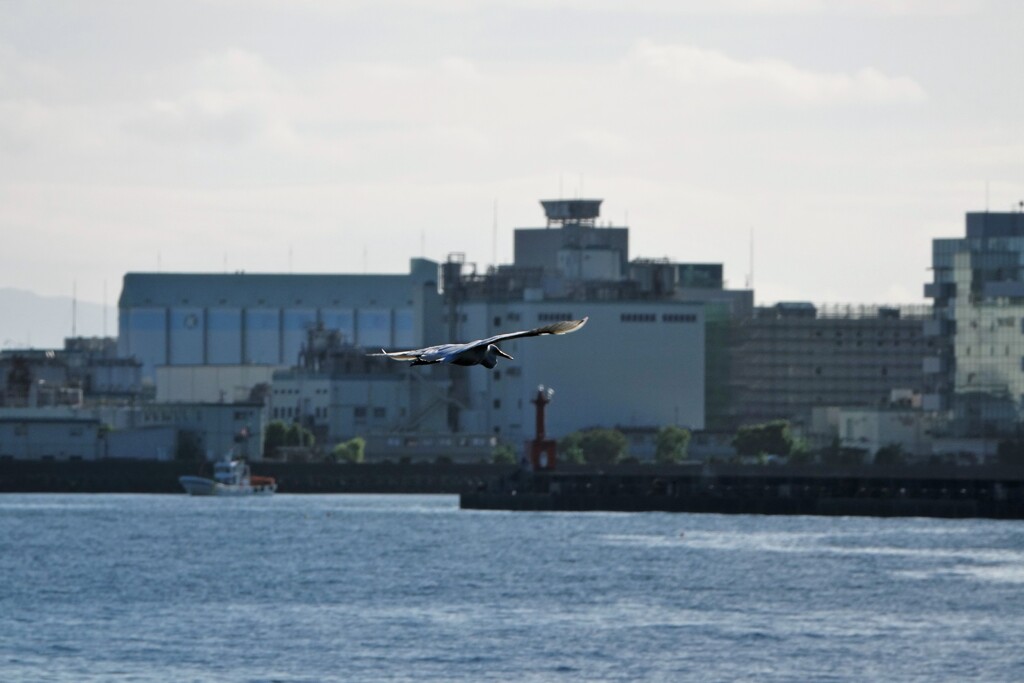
[884, 492]
[933, 491]
[142, 476]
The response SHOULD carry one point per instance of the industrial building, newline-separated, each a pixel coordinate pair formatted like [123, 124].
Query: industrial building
[49, 435]
[666, 343]
[635, 364]
[153, 431]
[339, 392]
[181, 320]
[976, 369]
[86, 370]
[639, 364]
[790, 358]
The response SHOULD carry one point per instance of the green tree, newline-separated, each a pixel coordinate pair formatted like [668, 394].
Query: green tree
[671, 444]
[801, 458]
[297, 435]
[773, 438]
[569, 448]
[800, 453]
[891, 454]
[274, 436]
[603, 446]
[504, 454]
[351, 451]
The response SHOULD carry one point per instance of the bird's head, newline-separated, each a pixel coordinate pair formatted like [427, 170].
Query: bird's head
[491, 356]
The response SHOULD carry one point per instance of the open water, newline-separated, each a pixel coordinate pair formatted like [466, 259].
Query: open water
[410, 588]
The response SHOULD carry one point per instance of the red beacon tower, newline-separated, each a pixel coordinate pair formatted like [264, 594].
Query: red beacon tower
[541, 452]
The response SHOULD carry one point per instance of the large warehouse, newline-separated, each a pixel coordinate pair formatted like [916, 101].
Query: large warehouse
[201, 319]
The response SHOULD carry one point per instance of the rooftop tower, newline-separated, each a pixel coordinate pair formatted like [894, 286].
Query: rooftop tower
[561, 212]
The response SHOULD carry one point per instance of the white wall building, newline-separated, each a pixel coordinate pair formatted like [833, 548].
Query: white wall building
[49, 435]
[210, 383]
[634, 364]
[870, 429]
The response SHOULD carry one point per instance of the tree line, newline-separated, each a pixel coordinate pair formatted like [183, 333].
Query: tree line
[603, 446]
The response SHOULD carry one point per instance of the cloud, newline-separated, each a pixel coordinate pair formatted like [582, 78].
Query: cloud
[21, 77]
[729, 77]
[230, 97]
[666, 7]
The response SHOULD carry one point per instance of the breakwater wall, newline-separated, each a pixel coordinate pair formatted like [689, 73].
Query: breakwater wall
[933, 491]
[144, 476]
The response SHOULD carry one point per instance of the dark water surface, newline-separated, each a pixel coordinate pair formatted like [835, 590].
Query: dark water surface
[410, 588]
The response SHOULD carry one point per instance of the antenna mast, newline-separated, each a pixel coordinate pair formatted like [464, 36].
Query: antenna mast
[494, 237]
[750, 275]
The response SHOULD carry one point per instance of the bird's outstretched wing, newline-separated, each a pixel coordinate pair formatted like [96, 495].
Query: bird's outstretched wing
[428, 354]
[444, 353]
[561, 327]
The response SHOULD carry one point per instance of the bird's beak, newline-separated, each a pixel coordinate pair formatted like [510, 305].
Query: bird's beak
[503, 354]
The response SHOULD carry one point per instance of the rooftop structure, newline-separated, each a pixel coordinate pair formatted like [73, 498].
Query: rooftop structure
[561, 212]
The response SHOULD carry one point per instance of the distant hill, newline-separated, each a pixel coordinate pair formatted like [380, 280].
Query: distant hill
[30, 320]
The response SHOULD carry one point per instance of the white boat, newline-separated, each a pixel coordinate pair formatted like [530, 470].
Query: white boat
[231, 477]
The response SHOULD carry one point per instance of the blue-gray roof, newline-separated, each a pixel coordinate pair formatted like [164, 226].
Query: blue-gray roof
[275, 289]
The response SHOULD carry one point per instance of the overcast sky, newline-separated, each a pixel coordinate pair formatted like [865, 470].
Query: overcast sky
[322, 136]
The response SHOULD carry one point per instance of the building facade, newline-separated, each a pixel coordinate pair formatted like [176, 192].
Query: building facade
[199, 319]
[86, 371]
[49, 435]
[976, 370]
[641, 363]
[790, 358]
[635, 364]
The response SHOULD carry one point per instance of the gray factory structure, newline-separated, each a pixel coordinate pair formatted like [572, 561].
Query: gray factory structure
[640, 363]
[241, 319]
[667, 343]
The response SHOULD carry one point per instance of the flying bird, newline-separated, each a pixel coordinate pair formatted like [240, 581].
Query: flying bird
[483, 352]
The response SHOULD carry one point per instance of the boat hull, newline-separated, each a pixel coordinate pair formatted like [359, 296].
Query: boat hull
[201, 486]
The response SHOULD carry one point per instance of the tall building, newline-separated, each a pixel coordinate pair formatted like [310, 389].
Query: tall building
[642, 361]
[976, 371]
